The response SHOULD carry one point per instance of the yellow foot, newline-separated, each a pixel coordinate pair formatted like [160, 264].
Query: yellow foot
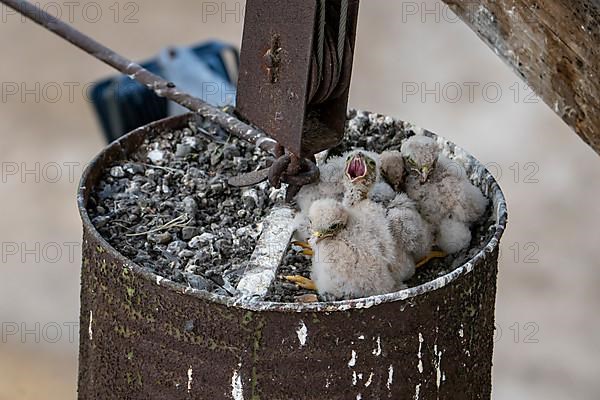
[431, 256]
[304, 245]
[301, 281]
[306, 249]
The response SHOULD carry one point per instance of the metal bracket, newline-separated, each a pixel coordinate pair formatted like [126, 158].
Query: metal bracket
[279, 89]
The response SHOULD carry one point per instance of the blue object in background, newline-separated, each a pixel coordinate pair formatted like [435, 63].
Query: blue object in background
[207, 71]
[194, 76]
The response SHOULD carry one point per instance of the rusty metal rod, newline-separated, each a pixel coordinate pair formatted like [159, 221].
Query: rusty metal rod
[160, 86]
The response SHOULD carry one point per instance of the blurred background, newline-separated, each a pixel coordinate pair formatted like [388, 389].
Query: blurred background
[415, 61]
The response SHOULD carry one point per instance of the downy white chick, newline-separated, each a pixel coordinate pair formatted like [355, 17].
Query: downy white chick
[353, 250]
[361, 181]
[409, 228]
[443, 193]
[360, 175]
[366, 173]
[392, 168]
[331, 184]
[412, 233]
[382, 193]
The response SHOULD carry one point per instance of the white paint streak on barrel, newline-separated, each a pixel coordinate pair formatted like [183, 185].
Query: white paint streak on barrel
[377, 351]
[190, 372]
[237, 391]
[90, 331]
[302, 333]
[419, 354]
[352, 361]
[417, 392]
[369, 380]
[390, 376]
[438, 365]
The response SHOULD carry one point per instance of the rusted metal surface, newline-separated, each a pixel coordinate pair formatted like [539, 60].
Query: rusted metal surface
[275, 63]
[554, 45]
[282, 88]
[143, 337]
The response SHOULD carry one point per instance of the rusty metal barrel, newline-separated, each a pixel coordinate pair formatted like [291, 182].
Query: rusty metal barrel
[144, 337]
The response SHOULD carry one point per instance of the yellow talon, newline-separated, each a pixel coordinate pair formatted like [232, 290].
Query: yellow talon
[431, 256]
[301, 281]
[304, 245]
[306, 249]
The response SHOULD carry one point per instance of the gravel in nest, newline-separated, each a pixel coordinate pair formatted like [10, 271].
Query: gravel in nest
[169, 207]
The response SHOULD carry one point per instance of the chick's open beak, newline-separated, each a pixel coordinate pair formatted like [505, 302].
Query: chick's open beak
[356, 168]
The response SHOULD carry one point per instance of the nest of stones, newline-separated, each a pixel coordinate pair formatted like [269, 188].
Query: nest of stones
[169, 207]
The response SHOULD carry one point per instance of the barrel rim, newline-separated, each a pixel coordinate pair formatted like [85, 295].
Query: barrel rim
[496, 195]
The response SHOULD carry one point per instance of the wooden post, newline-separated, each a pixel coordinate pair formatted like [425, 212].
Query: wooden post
[554, 45]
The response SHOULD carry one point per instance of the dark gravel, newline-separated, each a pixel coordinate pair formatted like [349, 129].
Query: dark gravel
[169, 208]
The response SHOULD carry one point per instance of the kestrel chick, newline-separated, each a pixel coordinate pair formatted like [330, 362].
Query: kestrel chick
[354, 252]
[392, 168]
[443, 193]
[361, 173]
